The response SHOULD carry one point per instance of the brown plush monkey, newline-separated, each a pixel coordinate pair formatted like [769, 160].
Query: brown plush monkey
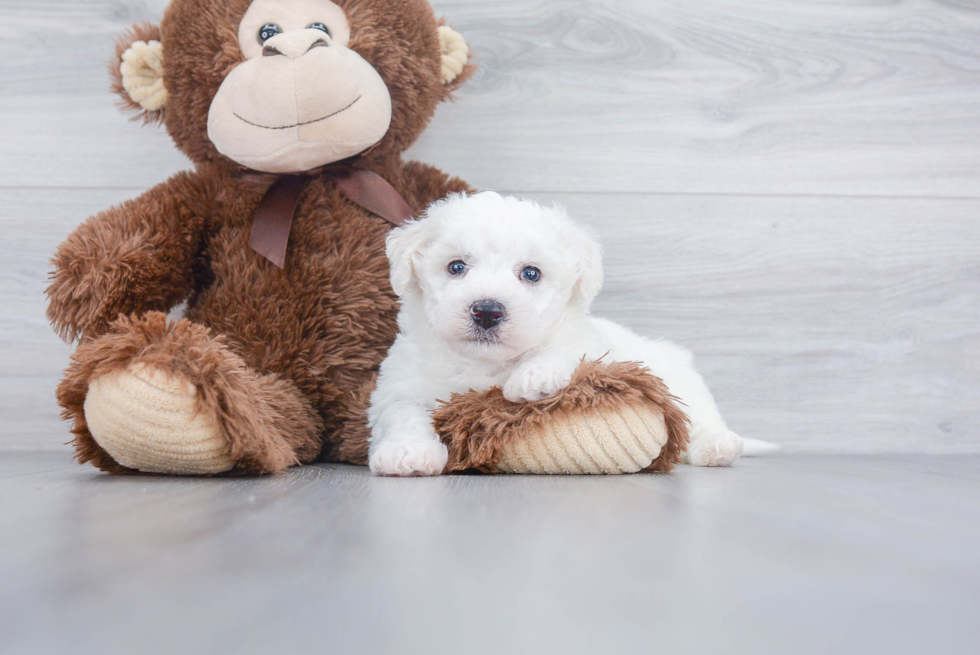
[275, 360]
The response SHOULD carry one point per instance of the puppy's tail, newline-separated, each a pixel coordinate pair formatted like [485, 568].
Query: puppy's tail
[753, 447]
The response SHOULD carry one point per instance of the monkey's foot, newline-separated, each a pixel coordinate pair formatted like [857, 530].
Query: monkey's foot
[167, 397]
[153, 421]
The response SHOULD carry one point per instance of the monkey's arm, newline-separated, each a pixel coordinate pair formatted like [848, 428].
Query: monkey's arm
[138, 256]
[428, 184]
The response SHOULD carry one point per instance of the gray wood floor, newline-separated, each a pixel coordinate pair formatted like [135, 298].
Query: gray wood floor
[789, 554]
[791, 188]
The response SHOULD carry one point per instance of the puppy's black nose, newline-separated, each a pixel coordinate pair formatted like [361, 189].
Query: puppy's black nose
[487, 313]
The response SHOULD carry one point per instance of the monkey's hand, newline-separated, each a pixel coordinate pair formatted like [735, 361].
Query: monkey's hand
[136, 257]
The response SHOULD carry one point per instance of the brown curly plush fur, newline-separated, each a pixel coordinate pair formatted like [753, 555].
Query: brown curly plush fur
[286, 358]
[478, 426]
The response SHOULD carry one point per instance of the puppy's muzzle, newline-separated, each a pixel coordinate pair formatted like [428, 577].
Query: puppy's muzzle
[487, 314]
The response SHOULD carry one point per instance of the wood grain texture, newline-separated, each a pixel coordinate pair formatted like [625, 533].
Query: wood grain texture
[719, 96]
[802, 554]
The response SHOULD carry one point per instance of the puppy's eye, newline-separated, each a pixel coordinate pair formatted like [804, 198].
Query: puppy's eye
[457, 267]
[268, 31]
[530, 274]
[318, 26]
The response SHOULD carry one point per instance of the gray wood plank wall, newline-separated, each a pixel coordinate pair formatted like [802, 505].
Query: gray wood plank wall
[791, 188]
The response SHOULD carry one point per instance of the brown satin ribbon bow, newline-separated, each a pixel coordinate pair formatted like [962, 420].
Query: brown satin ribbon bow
[274, 218]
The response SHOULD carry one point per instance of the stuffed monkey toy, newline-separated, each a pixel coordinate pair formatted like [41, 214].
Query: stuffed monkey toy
[295, 114]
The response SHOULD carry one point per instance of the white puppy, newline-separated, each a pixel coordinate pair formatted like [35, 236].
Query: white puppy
[496, 291]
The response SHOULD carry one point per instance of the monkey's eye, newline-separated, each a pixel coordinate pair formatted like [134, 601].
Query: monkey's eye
[319, 26]
[268, 31]
[457, 267]
[531, 274]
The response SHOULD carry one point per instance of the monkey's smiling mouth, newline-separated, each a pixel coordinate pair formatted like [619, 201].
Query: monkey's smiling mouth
[289, 127]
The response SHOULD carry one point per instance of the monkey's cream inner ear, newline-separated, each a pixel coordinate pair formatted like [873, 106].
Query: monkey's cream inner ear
[455, 53]
[142, 75]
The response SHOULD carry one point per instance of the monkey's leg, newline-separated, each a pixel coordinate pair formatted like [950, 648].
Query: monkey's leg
[158, 397]
[348, 432]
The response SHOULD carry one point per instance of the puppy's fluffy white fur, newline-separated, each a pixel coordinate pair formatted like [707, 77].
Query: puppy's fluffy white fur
[544, 332]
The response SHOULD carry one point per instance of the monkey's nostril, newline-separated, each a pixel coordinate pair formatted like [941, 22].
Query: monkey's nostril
[319, 44]
[269, 51]
[487, 313]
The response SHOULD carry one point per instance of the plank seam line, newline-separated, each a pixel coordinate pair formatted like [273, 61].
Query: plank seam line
[692, 194]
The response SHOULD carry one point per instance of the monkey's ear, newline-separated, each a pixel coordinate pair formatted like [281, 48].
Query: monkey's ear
[456, 68]
[137, 72]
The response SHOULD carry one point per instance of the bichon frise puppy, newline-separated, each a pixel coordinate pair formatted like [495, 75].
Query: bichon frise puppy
[496, 291]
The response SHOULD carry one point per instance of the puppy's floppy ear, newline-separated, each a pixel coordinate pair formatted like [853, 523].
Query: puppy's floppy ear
[401, 246]
[588, 255]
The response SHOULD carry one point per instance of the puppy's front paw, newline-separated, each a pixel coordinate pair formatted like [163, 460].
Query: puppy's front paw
[715, 449]
[408, 458]
[535, 380]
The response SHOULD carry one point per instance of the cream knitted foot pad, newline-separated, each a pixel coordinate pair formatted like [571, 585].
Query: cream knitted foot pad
[151, 421]
[626, 441]
[612, 418]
